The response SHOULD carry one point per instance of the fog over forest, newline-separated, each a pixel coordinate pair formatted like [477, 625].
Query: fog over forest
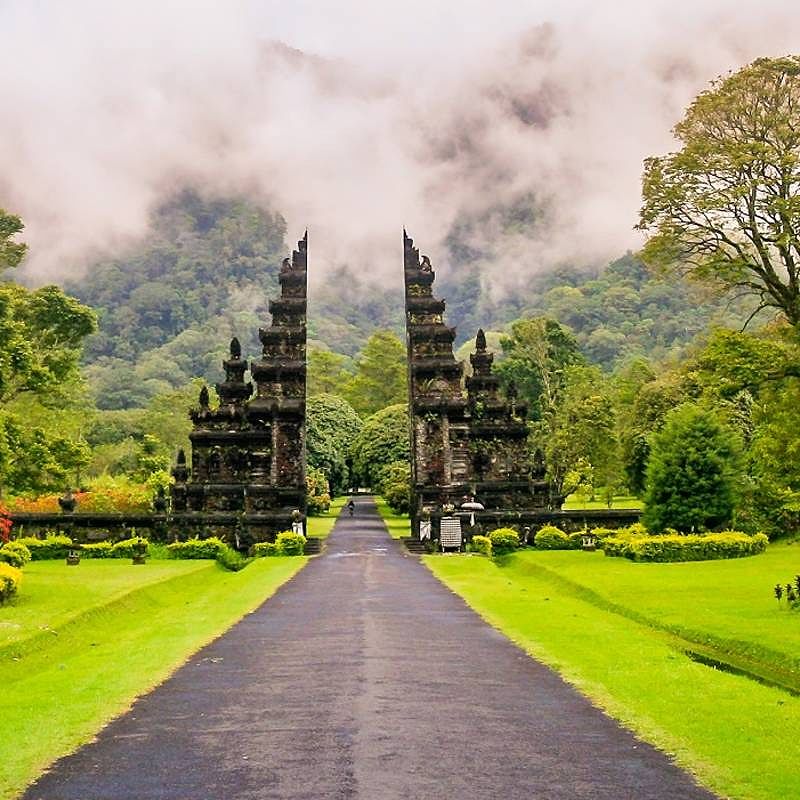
[524, 124]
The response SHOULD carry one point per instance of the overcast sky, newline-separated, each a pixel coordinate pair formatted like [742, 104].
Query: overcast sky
[391, 114]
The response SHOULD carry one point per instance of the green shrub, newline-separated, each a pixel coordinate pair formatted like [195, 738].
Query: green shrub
[695, 547]
[10, 578]
[290, 544]
[318, 493]
[265, 549]
[603, 533]
[636, 529]
[551, 538]
[395, 486]
[232, 560]
[125, 548]
[504, 540]
[97, 550]
[576, 540]
[482, 544]
[15, 554]
[52, 546]
[196, 548]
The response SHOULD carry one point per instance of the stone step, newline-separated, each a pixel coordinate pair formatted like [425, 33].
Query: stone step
[414, 546]
[313, 547]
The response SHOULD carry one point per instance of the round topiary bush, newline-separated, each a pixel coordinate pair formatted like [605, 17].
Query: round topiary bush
[290, 544]
[15, 554]
[551, 538]
[504, 540]
[482, 545]
[10, 578]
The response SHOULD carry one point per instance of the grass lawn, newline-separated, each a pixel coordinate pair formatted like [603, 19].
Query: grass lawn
[321, 525]
[81, 643]
[611, 628]
[573, 503]
[398, 524]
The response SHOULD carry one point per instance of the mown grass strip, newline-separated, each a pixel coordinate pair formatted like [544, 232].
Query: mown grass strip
[55, 698]
[398, 525]
[733, 733]
[320, 526]
[54, 596]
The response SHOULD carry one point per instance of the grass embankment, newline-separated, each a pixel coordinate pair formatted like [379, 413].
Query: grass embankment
[398, 524]
[321, 525]
[618, 631]
[79, 644]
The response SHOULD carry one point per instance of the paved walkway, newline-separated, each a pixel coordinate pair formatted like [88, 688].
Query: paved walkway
[364, 677]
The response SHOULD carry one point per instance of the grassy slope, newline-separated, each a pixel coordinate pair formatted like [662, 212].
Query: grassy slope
[58, 693]
[726, 604]
[734, 733]
[398, 524]
[52, 595]
[320, 526]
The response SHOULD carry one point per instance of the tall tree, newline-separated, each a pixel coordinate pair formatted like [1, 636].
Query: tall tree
[328, 372]
[694, 473]
[41, 334]
[584, 432]
[537, 353]
[332, 428]
[725, 208]
[381, 377]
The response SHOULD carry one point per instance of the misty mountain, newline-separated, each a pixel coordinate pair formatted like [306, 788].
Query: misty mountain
[206, 272]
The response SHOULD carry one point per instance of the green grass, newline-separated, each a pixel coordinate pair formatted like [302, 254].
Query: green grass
[321, 525]
[611, 628]
[81, 643]
[573, 503]
[398, 524]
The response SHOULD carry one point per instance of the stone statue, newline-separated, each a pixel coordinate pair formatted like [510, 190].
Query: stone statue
[236, 348]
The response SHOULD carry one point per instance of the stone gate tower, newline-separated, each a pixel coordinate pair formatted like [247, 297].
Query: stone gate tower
[247, 475]
[441, 469]
[468, 438]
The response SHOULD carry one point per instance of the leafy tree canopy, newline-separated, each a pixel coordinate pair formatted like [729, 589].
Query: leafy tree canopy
[725, 208]
[537, 353]
[383, 440]
[332, 427]
[381, 377]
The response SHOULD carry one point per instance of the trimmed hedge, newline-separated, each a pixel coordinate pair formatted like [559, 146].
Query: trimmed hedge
[694, 547]
[196, 548]
[503, 540]
[15, 554]
[576, 540]
[286, 543]
[124, 549]
[97, 550]
[10, 578]
[482, 544]
[551, 538]
[265, 549]
[51, 547]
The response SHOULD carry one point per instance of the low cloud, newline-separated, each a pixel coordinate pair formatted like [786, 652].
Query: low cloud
[357, 121]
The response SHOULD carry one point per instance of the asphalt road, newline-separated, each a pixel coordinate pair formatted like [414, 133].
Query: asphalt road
[364, 677]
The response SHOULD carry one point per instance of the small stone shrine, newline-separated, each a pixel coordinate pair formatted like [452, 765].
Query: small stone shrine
[469, 443]
[247, 474]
